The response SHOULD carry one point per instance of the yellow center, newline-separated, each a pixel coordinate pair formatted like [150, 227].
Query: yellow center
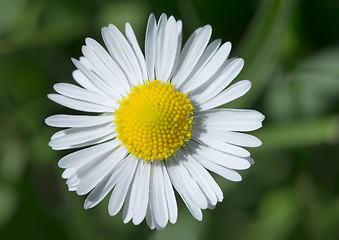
[154, 120]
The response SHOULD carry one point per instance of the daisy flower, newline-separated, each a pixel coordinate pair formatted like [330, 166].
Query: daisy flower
[153, 124]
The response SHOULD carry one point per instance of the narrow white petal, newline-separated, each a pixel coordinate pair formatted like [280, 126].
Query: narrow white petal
[229, 94]
[140, 191]
[227, 173]
[98, 82]
[228, 120]
[100, 68]
[73, 136]
[120, 191]
[109, 62]
[95, 141]
[127, 53]
[101, 170]
[84, 169]
[205, 175]
[100, 191]
[191, 53]
[198, 176]
[208, 69]
[240, 139]
[149, 216]
[178, 51]
[72, 91]
[157, 193]
[219, 144]
[214, 86]
[85, 155]
[136, 48]
[218, 157]
[190, 185]
[150, 50]
[115, 48]
[205, 57]
[62, 120]
[170, 197]
[83, 81]
[78, 104]
[167, 43]
[69, 171]
[178, 185]
[127, 212]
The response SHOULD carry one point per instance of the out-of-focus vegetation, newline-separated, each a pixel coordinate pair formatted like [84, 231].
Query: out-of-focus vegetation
[291, 52]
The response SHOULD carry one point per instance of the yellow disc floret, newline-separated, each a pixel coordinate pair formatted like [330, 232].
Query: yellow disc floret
[154, 120]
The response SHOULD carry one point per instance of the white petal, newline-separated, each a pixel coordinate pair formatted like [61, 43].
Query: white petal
[73, 136]
[191, 53]
[72, 91]
[101, 170]
[128, 54]
[69, 171]
[228, 120]
[149, 216]
[78, 104]
[227, 173]
[240, 139]
[171, 202]
[167, 42]
[218, 157]
[120, 191]
[150, 49]
[186, 187]
[62, 120]
[140, 191]
[101, 190]
[96, 80]
[214, 86]
[229, 94]
[178, 51]
[218, 144]
[209, 69]
[95, 141]
[101, 69]
[138, 53]
[83, 81]
[84, 169]
[157, 193]
[85, 155]
[111, 65]
[199, 178]
[192, 163]
[115, 48]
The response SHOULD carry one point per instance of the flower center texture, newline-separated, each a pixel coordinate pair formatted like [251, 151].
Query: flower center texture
[154, 120]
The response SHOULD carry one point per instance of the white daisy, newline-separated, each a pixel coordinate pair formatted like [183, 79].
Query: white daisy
[157, 127]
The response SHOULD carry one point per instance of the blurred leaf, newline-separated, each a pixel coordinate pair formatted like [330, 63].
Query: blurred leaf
[118, 13]
[261, 45]
[322, 215]
[9, 11]
[13, 160]
[186, 227]
[8, 203]
[310, 90]
[299, 134]
[279, 214]
[44, 23]
[13, 152]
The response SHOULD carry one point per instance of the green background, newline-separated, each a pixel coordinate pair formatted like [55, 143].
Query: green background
[291, 52]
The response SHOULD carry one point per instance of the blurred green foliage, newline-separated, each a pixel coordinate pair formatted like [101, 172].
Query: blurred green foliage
[291, 52]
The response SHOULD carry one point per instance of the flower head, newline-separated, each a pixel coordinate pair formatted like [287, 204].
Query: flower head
[156, 126]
